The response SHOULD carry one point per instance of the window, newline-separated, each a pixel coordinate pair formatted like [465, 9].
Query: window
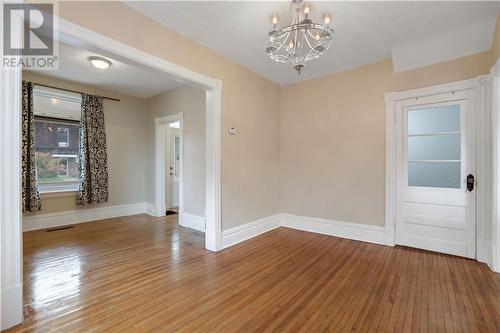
[63, 136]
[57, 140]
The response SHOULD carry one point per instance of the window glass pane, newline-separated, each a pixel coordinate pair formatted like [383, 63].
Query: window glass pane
[434, 174]
[56, 163]
[436, 147]
[177, 154]
[57, 138]
[434, 120]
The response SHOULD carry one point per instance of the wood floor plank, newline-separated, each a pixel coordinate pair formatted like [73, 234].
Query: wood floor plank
[145, 274]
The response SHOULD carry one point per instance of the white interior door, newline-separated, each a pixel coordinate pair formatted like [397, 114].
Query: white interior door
[173, 167]
[435, 154]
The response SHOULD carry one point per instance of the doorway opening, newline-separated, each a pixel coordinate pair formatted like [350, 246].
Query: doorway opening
[169, 197]
[10, 179]
[173, 170]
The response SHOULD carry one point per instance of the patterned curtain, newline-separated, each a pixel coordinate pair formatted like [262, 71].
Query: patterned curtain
[31, 195]
[93, 186]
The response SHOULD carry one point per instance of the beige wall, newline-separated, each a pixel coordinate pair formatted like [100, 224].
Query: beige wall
[250, 160]
[126, 139]
[333, 137]
[495, 47]
[327, 134]
[190, 101]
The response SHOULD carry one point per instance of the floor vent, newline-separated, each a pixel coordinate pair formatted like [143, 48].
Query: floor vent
[61, 228]
[171, 212]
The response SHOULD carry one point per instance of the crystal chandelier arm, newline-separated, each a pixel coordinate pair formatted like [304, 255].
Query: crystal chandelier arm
[315, 43]
[314, 50]
[283, 58]
[295, 39]
[308, 33]
[284, 38]
[308, 53]
[290, 53]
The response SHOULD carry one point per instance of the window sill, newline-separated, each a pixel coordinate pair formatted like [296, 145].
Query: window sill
[61, 193]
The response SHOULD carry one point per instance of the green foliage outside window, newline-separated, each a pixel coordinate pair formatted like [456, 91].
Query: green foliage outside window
[47, 167]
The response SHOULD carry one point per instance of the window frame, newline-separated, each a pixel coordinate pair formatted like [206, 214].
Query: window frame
[69, 122]
[462, 118]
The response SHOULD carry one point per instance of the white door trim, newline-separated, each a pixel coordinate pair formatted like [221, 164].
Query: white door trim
[411, 197]
[161, 125]
[480, 86]
[11, 224]
[10, 192]
[495, 197]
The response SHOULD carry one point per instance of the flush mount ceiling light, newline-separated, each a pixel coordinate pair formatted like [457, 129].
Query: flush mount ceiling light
[301, 41]
[99, 62]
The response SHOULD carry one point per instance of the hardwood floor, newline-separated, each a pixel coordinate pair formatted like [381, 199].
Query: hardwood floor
[144, 274]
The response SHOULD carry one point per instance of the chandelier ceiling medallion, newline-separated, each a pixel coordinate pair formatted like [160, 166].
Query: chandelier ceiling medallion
[301, 41]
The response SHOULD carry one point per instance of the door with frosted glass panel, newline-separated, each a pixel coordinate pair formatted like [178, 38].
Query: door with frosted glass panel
[435, 160]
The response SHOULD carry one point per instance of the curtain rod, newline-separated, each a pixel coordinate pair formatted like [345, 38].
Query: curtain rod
[73, 91]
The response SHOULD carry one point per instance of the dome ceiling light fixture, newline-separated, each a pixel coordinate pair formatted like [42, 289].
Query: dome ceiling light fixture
[99, 62]
[301, 41]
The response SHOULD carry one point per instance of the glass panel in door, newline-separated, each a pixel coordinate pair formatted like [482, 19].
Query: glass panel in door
[434, 147]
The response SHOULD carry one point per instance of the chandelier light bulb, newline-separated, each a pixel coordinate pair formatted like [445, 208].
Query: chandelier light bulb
[327, 19]
[317, 36]
[275, 19]
[290, 44]
[306, 10]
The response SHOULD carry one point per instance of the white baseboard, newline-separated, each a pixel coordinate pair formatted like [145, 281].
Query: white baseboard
[249, 230]
[192, 221]
[12, 306]
[51, 220]
[360, 232]
[150, 209]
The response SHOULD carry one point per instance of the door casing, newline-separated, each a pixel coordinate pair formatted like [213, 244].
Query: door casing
[161, 132]
[170, 158]
[466, 99]
[480, 87]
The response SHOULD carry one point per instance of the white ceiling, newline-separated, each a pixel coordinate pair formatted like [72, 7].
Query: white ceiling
[365, 32]
[119, 77]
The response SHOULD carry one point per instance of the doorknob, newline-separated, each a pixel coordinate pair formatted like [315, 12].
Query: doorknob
[470, 182]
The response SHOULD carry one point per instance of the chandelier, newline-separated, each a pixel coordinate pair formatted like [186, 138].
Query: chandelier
[301, 41]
